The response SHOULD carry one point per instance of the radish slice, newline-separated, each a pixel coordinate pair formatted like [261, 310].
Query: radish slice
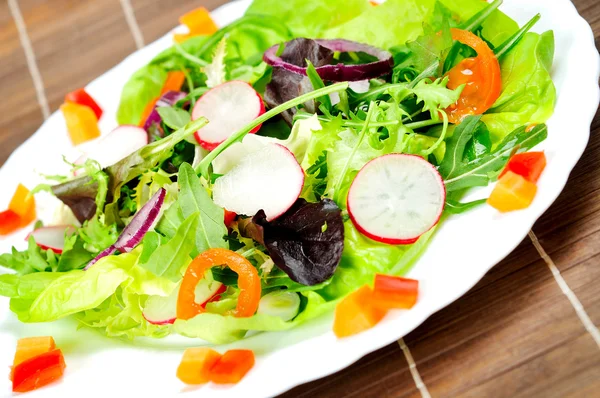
[52, 238]
[163, 310]
[228, 107]
[396, 198]
[117, 145]
[269, 179]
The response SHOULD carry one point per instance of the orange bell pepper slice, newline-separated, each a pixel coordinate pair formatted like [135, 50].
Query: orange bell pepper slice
[196, 364]
[248, 283]
[81, 97]
[395, 292]
[82, 123]
[232, 367]
[9, 222]
[512, 192]
[30, 347]
[481, 75]
[528, 164]
[356, 313]
[23, 204]
[38, 371]
[198, 22]
[174, 81]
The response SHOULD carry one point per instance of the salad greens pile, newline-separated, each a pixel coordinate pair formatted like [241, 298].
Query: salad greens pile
[332, 129]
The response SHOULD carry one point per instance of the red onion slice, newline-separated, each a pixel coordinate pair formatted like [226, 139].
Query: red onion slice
[141, 223]
[134, 232]
[340, 72]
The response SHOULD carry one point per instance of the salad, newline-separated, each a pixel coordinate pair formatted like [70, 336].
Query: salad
[265, 172]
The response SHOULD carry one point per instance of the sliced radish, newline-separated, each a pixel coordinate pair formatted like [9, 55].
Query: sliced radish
[269, 179]
[228, 107]
[118, 144]
[52, 238]
[161, 310]
[396, 198]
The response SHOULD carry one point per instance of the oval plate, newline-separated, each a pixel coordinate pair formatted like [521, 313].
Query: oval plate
[287, 359]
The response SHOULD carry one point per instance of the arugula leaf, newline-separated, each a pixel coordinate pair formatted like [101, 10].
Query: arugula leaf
[170, 221]
[455, 207]
[459, 174]
[174, 118]
[169, 258]
[194, 198]
[152, 241]
[317, 83]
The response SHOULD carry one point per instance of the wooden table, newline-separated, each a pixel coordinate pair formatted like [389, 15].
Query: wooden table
[527, 329]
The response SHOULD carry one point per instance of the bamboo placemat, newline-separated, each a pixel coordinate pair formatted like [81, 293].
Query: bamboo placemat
[527, 329]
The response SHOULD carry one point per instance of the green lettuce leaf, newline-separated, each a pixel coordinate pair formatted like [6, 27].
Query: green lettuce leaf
[363, 258]
[309, 19]
[143, 86]
[390, 24]
[528, 93]
[76, 290]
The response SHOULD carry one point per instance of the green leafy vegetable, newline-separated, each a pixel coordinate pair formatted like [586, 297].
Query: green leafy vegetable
[175, 118]
[169, 259]
[309, 19]
[460, 174]
[142, 87]
[193, 198]
[528, 93]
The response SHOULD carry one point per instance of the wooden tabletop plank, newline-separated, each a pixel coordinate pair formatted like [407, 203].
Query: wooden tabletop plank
[21, 114]
[514, 334]
[75, 41]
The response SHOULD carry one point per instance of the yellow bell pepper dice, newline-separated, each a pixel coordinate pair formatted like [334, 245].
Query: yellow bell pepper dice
[512, 192]
[82, 123]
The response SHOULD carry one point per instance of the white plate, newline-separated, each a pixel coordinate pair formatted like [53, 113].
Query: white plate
[463, 250]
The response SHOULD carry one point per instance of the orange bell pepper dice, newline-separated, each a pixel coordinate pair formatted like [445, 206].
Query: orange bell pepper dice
[356, 313]
[23, 204]
[30, 347]
[530, 165]
[9, 222]
[232, 367]
[198, 22]
[512, 192]
[38, 371]
[82, 123]
[391, 292]
[81, 97]
[196, 364]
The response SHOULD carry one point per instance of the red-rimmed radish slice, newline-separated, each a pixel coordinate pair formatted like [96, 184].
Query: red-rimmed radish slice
[269, 179]
[228, 107]
[161, 310]
[118, 144]
[396, 198]
[52, 238]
